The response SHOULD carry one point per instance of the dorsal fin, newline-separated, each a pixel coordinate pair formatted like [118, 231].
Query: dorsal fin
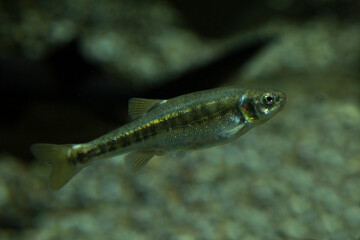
[140, 106]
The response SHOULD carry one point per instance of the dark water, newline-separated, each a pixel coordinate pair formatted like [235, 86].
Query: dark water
[67, 70]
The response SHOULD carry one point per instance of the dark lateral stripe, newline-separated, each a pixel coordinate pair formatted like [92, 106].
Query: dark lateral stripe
[82, 157]
[195, 114]
[125, 141]
[147, 131]
[152, 129]
[205, 110]
[85, 155]
[163, 126]
[173, 123]
[114, 144]
[218, 107]
[112, 147]
[136, 137]
[131, 138]
[186, 118]
[156, 128]
[103, 148]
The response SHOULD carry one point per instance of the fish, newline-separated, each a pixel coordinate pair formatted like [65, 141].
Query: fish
[178, 125]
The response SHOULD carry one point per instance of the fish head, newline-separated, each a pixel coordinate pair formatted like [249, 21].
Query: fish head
[260, 106]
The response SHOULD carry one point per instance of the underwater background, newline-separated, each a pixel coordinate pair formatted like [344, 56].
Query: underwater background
[68, 68]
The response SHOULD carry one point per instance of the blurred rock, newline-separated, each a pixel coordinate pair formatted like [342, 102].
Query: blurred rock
[141, 43]
[318, 47]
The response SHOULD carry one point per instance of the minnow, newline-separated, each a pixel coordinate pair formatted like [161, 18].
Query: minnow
[177, 125]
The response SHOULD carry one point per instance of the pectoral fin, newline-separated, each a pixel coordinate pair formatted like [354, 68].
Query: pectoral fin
[140, 106]
[231, 132]
[136, 160]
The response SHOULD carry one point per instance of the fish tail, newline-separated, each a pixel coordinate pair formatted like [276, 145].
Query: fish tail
[58, 157]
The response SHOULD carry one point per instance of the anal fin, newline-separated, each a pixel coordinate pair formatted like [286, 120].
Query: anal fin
[136, 160]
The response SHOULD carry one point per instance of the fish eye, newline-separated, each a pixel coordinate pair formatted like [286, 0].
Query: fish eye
[268, 99]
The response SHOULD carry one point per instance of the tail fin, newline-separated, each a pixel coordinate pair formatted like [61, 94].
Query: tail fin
[57, 156]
